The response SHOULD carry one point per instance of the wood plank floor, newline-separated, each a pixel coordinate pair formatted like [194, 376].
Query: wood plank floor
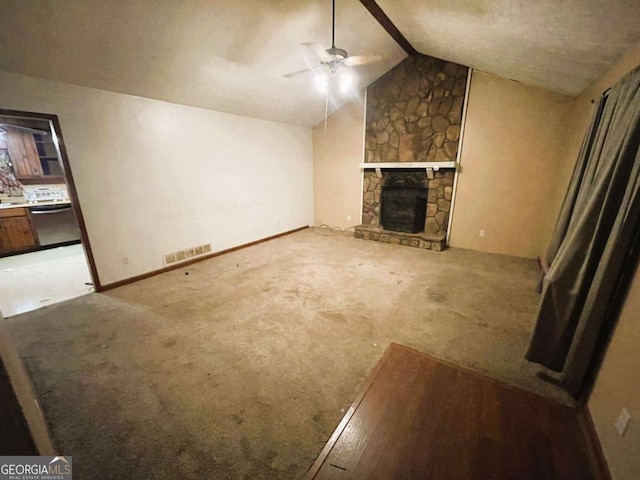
[418, 418]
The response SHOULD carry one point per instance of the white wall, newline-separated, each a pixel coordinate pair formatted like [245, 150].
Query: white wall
[155, 177]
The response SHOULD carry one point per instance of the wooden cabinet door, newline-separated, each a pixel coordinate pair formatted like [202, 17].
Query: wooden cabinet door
[23, 153]
[15, 231]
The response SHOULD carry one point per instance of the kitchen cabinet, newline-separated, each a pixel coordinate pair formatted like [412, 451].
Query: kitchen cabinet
[16, 232]
[48, 154]
[23, 153]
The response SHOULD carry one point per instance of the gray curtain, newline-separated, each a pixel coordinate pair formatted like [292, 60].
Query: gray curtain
[582, 178]
[594, 234]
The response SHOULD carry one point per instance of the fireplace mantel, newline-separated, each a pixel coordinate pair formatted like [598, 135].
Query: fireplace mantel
[435, 165]
[429, 166]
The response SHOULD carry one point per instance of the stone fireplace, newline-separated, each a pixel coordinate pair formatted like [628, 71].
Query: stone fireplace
[430, 198]
[413, 123]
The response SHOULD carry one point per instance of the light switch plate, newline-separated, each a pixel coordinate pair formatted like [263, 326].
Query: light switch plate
[623, 421]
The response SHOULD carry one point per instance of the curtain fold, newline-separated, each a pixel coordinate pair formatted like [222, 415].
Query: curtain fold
[598, 222]
[580, 178]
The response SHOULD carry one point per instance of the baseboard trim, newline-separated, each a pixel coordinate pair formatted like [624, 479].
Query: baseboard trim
[596, 448]
[153, 273]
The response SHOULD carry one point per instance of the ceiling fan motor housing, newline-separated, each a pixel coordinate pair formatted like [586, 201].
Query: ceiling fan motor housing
[337, 52]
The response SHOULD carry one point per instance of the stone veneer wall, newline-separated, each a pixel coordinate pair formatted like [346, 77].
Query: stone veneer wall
[414, 114]
[439, 193]
[414, 111]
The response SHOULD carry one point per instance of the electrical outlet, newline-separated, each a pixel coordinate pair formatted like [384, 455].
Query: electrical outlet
[623, 421]
[125, 260]
[482, 233]
[348, 218]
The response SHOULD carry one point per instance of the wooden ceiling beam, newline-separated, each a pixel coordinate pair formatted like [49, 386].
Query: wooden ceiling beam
[388, 25]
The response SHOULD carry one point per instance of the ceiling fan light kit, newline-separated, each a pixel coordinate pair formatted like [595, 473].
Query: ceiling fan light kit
[337, 67]
[335, 74]
[346, 80]
[321, 81]
[334, 71]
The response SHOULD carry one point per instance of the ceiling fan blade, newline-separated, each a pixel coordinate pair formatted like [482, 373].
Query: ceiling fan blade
[299, 72]
[314, 52]
[317, 69]
[361, 60]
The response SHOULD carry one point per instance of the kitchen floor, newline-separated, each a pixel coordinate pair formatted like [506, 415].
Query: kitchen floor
[33, 280]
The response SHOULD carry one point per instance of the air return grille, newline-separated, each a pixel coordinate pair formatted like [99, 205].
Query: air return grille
[186, 254]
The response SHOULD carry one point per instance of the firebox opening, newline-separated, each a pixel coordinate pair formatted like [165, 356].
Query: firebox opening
[403, 209]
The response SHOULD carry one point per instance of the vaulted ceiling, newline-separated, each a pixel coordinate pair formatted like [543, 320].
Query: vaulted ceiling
[231, 55]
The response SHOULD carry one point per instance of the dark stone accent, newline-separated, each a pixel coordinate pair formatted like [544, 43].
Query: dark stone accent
[419, 93]
[404, 209]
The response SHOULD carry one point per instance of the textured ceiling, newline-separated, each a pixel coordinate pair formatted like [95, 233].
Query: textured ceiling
[226, 55]
[561, 45]
[230, 55]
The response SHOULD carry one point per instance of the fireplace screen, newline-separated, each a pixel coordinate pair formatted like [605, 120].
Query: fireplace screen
[403, 209]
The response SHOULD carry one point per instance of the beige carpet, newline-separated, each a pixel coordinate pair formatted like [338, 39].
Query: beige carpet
[240, 367]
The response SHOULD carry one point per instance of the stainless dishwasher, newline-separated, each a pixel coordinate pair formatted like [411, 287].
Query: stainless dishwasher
[55, 224]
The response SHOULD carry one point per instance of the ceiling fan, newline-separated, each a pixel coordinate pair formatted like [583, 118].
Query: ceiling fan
[332, 64]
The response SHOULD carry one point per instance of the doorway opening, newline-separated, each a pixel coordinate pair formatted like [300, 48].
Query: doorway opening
[45, 255]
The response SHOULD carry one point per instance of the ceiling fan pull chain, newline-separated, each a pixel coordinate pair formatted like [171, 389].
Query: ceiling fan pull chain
[326, 109]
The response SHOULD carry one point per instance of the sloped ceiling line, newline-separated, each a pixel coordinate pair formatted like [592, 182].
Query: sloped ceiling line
[230, 55]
